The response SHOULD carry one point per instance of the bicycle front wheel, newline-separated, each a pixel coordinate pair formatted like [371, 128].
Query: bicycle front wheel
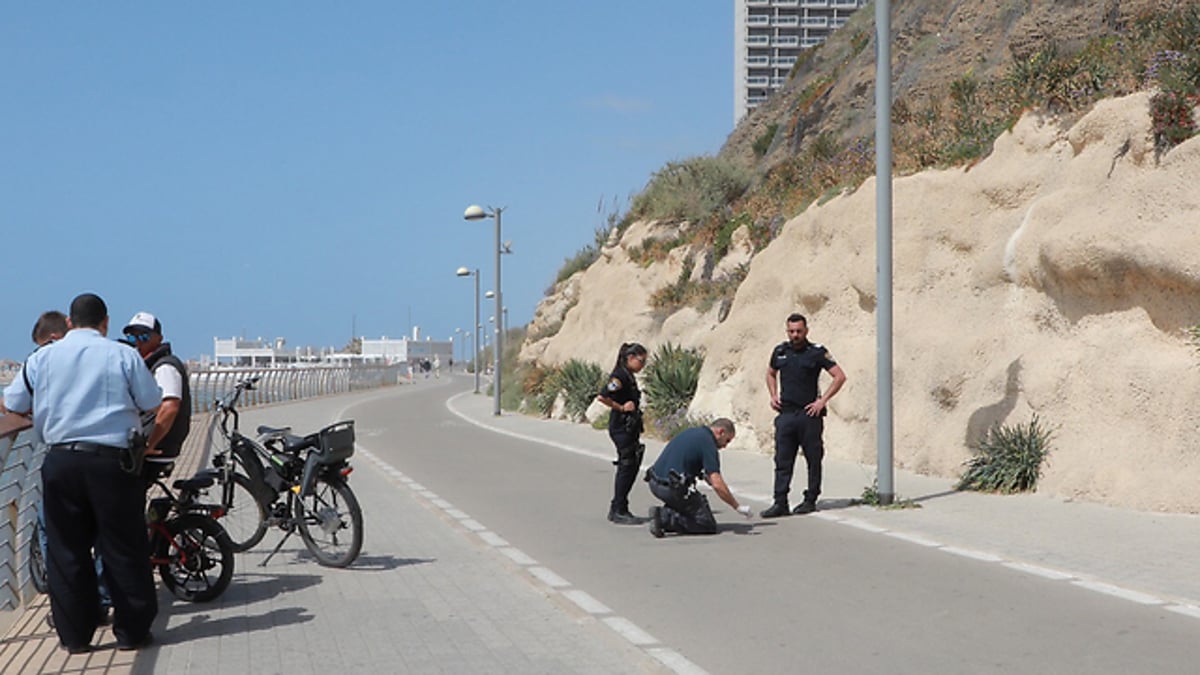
[331, 522]
[196, 562]
[245, 516]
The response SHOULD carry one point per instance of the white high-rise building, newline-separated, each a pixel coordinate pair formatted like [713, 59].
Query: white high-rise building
[768, 37]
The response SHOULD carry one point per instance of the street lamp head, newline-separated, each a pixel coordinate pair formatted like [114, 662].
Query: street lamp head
[475, 212]
[463, 272]
[490, 294]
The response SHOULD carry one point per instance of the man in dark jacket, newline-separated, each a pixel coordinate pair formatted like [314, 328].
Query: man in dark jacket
[172, 422]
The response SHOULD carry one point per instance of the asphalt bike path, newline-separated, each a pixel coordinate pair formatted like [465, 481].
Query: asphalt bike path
[763, 592]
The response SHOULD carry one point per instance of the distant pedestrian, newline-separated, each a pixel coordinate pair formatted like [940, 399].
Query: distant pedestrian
[87, 394]
[623, 398]
[437, 367]
[792, 380]
[690, 456]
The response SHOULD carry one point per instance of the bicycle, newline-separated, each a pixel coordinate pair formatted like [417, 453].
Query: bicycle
[188, 547]
[298, 483]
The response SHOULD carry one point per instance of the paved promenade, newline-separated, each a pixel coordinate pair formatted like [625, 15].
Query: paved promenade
[433, 594]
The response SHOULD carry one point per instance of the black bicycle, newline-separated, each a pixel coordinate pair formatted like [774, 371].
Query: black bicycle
[296, 483]
[188, 547]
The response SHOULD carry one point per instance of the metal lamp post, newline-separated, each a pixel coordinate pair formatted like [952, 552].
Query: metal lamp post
[475, 212]
[465, 272]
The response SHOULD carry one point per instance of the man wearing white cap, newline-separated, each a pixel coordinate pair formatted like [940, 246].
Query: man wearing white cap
[173, 419]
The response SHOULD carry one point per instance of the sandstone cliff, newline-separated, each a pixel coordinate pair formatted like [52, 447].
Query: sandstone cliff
[1056, 277]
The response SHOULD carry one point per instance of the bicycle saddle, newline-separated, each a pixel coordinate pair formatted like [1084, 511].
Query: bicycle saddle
[265, 430]
[198, 482]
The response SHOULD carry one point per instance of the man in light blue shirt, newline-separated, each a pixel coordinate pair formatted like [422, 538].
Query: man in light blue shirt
[86, 393]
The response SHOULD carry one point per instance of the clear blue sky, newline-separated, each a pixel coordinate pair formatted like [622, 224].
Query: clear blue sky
[300, 169]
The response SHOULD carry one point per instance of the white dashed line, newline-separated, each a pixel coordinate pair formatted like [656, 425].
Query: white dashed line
[473, 525]
[492, 539]
[546, 576]
[675, 661]
[586, 602]
[628, 630]
[517, 555]
[456, 514]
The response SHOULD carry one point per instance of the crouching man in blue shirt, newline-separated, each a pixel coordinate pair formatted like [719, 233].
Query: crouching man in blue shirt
[690, 455]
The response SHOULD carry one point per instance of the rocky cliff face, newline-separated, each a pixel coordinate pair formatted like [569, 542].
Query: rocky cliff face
[1057, 277]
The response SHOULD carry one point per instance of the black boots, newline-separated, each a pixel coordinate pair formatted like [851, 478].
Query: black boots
[656, 527]
[805, 507]
[623, 517]
[776, 510]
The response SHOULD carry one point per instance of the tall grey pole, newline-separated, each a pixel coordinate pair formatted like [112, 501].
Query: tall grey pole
[475, 338]
[497, 345]
[883, 244]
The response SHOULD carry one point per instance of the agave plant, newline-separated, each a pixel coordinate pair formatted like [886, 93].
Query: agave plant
[1008, 459]
[670, 379]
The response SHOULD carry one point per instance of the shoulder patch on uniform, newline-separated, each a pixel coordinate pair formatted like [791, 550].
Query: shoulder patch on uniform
[614, 384]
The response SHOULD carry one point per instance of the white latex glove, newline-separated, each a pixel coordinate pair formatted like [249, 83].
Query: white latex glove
[744, 510]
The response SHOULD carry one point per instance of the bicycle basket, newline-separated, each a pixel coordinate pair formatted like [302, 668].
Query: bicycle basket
[336, 442]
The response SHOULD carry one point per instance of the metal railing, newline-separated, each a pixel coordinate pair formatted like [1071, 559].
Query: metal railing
[21, 458]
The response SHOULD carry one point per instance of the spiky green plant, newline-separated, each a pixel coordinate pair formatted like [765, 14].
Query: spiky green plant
[1008, 459]
[578, 381]
[670, 379]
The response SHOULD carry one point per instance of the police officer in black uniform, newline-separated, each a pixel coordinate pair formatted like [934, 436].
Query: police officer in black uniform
[621, 394]
[792, 376]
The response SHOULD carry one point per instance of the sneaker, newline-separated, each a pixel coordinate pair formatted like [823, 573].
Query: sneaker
[637, 519]
[656, 528]
[776, 510]
[805, 507]
[78, 649]
[623, 518]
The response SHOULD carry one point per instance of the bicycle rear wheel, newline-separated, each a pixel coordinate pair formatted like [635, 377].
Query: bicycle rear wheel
[245, 518]
[37, 560]
[331, 522]
[196, 563]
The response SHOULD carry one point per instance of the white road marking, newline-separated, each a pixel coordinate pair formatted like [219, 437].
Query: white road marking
[973, 554]
[628, 630]
[548, 577]
[1117, 591]
[1186, 610]
[1040, 571]
[675, 661]
[586, 602]
[913, 539]
[517, 555]
[492, 539]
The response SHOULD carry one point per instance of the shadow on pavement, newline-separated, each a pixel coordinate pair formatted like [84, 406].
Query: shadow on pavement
[743, 528]
[383, 563]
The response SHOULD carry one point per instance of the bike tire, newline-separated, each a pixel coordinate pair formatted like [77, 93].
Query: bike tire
[330, 522]
[198, 558]
[37, 562]
[245, 518]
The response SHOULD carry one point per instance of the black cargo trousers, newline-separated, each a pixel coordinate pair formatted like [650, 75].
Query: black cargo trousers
[685, 509]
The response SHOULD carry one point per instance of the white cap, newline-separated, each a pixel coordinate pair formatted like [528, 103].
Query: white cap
[146, 321]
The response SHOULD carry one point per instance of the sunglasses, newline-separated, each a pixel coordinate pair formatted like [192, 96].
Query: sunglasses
[138, 337]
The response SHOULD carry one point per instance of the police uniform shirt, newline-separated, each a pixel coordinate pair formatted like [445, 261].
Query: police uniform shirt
[85, 388]
[799, 370]
[693, 453]
[621, 388]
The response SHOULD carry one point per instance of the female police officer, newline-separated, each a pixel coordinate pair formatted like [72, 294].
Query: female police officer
[625, 427]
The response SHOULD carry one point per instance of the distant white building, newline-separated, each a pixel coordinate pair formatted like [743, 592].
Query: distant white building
[768, 37]
[382, 351]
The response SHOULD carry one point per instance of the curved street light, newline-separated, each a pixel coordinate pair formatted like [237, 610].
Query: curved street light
[466, 272]
[475, 212]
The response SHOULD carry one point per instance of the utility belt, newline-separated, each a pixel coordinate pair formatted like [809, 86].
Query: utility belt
[674, 481]
[87, 447]
[130, 458]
